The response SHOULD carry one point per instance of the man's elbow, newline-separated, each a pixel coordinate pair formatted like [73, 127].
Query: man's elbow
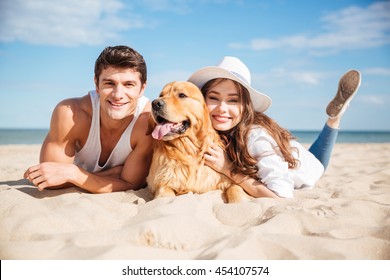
[131, 185]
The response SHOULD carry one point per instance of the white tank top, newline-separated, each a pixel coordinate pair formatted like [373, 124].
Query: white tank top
[88, 157]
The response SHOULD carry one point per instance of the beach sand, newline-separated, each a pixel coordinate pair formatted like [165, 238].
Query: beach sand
[346, 216]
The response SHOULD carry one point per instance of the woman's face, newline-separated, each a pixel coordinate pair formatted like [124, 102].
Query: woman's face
[224, 104]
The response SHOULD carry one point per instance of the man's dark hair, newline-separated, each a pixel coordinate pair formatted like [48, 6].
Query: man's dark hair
[121, 57]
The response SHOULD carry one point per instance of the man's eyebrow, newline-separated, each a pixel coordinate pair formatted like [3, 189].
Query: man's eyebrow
[126, 81]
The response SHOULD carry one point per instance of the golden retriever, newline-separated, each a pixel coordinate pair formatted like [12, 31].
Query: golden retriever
[183, 131]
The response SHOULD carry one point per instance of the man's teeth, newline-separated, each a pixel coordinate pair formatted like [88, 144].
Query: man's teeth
[117, 104]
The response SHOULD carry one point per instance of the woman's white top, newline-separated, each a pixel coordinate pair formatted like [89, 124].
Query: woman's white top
[274, 171]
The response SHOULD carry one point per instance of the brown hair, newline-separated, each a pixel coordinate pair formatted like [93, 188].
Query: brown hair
[121, 57]
[236, 139]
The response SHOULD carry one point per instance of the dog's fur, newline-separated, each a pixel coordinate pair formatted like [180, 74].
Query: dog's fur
[182, 125]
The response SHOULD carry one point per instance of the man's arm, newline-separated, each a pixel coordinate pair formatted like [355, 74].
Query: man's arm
[135, 169]
[137, 165]
[56, 168]
[57, 151]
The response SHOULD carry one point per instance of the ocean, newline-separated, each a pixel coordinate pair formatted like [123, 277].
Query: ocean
[36, 136]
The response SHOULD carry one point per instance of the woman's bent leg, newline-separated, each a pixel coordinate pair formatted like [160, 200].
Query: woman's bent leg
[322, 148]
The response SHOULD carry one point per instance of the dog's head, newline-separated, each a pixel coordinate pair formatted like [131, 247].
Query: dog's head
[179, 111]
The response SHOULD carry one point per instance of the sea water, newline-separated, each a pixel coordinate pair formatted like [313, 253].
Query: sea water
[346, 136]
[22, 136]
[36, 136]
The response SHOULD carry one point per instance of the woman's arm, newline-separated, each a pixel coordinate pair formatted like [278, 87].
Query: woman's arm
[217, 159]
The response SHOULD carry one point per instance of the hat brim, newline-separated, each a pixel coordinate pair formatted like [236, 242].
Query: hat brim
[261, 102]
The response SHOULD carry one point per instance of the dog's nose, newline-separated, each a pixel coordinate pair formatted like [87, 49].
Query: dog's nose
[157, 104]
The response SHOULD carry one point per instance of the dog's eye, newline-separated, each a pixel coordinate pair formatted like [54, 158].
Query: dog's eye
[182, 95]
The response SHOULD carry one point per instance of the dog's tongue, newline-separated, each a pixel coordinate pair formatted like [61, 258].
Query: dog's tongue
[161, 129]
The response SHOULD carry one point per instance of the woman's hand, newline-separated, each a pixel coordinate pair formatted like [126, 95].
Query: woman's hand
[217, 159]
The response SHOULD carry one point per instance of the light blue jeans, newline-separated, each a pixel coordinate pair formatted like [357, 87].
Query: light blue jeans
[322, 148]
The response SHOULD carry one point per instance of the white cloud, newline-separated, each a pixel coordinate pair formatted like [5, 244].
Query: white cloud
[378, 71]
[306, 77]
[350, 28]
[66, 22]
[372, 99]
[283, 76]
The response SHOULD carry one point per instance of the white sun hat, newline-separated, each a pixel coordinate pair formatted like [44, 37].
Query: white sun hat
[234, 69]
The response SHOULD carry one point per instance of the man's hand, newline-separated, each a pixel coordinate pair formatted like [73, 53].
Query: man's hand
[50, 174]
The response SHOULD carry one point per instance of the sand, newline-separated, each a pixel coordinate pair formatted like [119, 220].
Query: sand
[345, 217]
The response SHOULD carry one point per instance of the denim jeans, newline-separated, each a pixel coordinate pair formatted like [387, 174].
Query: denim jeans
[323, 146]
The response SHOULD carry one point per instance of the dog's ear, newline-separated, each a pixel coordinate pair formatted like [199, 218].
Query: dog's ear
[151, 125]
[207, 124]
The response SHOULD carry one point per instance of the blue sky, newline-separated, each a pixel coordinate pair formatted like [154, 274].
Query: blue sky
[296, 51]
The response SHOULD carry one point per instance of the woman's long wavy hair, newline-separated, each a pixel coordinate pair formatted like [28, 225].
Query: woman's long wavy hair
[236, 139]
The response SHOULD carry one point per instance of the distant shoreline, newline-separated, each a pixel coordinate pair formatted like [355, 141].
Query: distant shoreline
[36, 136]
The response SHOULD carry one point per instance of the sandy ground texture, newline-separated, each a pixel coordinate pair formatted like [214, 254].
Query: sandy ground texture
[346, 216]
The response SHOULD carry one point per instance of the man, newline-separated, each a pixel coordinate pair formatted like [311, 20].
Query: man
[98, 142]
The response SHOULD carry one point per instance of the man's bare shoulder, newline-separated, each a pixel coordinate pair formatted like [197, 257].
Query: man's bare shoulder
[75, 105]
[140, 131]
[74, 110]
[72, 118]
[143, 119]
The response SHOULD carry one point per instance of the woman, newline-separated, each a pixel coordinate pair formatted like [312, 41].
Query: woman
[262, 157]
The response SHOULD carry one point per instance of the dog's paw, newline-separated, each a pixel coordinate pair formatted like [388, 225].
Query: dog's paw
[164, 192]
[235, 194]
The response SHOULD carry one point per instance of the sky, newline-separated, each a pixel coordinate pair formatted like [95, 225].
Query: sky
[296, 51]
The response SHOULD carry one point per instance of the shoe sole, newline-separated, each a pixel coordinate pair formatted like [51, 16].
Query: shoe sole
[348, 86]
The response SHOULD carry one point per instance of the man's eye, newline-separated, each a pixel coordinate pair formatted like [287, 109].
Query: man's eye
[182, 95]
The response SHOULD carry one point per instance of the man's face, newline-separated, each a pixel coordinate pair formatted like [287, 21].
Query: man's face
[119, 90]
